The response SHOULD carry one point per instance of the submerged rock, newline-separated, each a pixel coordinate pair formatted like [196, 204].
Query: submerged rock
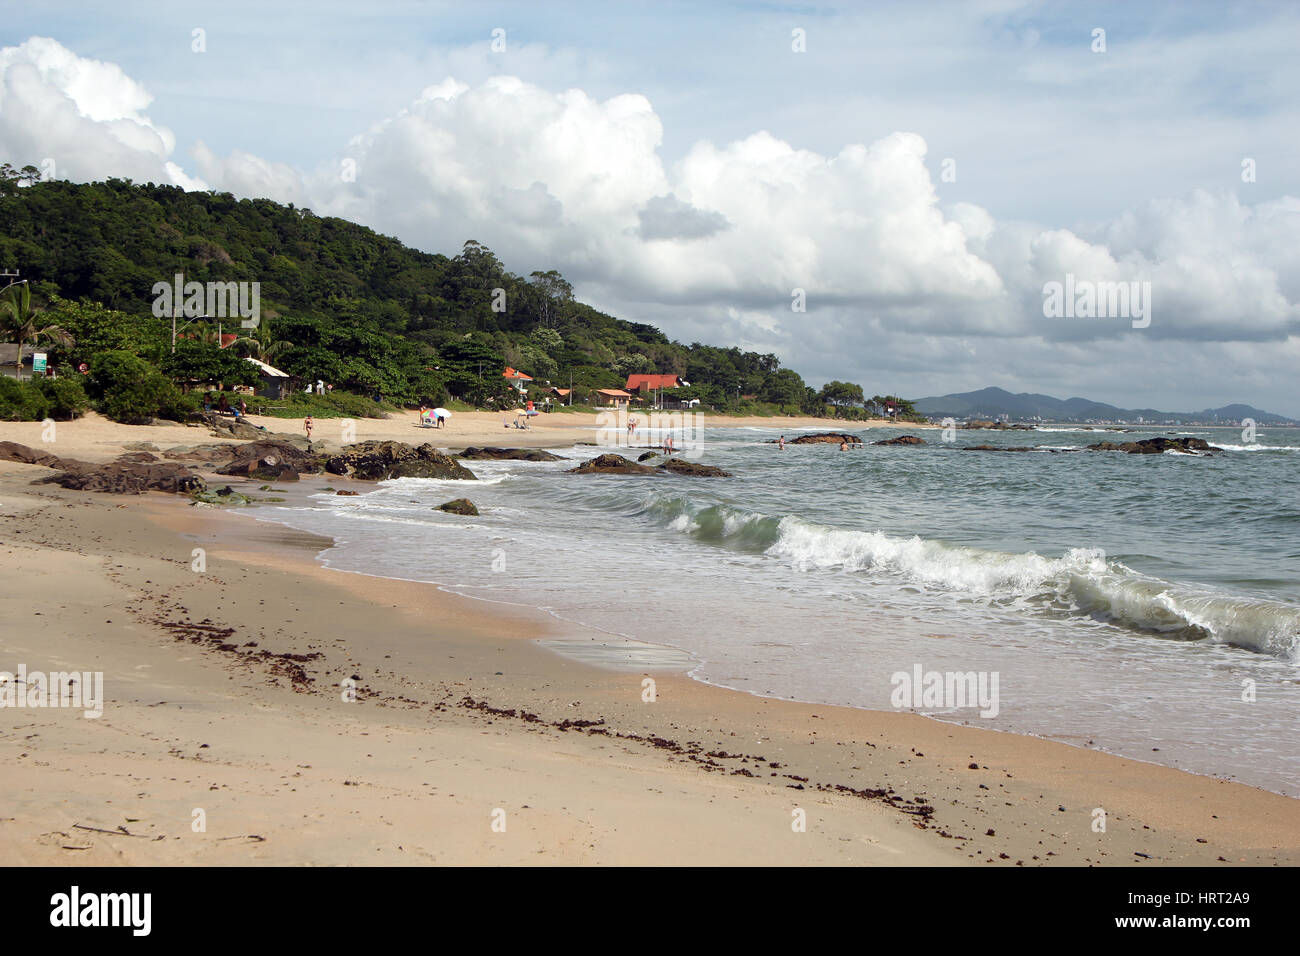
[220, 496]
[460, 506]
[646, 456]
[693, 469]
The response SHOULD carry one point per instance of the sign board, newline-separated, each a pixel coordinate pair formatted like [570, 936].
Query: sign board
[38, 362]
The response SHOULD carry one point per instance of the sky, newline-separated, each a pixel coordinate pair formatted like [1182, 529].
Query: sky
[914, 175]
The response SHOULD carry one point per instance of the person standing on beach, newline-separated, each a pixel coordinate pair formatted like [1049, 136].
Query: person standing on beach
[306, 424]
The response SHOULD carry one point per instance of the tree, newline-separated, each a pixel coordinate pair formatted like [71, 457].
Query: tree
[841, 394]
[196, 362]
[783, 387]
[18, 323]
[553, 293]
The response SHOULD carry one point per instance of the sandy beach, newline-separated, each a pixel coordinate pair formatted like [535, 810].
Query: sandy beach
[261, 709]
[95, 438]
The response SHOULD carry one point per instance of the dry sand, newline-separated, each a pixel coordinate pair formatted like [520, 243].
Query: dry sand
[462, 719]
[95, 438]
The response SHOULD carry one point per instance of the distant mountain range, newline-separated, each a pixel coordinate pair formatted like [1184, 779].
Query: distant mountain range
[993, 403]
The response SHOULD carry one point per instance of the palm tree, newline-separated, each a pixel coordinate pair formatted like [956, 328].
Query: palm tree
[260, 346]
[18, 323]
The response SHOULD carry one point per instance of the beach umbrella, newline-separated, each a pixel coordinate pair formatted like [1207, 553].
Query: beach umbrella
[441, 413]
[521, 411]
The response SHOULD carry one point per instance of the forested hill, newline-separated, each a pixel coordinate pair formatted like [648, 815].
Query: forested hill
[344, 303]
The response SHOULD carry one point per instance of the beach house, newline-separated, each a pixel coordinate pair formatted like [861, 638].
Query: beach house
[518, 379]
[651, 387]
[610, 397]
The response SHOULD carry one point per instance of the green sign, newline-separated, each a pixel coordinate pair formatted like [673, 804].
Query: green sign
[38, 362]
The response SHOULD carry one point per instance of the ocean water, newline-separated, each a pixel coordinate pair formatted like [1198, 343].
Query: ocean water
[1147, 605]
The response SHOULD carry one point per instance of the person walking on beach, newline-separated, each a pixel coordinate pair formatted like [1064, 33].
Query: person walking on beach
[306, 424]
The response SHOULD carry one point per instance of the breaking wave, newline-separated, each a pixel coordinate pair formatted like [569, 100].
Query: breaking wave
[1080, 582]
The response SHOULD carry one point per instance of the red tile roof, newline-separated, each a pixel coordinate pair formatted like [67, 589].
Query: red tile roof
[511, 373]
[637, 382]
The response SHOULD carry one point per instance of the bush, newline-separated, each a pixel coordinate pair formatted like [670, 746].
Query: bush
[21, 401]
[131, 390]
[65, 397]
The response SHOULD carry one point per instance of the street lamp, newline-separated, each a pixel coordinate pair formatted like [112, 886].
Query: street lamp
[12, 276]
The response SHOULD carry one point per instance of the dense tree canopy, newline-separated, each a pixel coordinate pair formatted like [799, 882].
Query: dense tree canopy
[342, 303]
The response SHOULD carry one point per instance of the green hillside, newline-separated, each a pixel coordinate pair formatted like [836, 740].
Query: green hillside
[342, 303]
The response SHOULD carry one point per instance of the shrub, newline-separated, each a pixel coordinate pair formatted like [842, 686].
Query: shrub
[65, 397]
[131, 390]
[21, 401]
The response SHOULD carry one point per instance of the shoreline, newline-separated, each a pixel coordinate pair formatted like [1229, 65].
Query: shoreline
[685, 663]
[883, 788]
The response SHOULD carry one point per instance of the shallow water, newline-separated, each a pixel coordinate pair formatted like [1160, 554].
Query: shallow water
[1127, 601]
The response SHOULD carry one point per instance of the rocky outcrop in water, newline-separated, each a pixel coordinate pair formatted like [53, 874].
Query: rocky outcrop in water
[382, 460]
[693, 469]
[611, 465]
[508, 454]
[901, 440]
[618, 465]
[822, 438]
[980, 424]
[1155, 446]
[461, 506]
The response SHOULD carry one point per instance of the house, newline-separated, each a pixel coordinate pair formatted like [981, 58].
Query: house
[610, 397]
[518, 379]
[646, 385]
[273, 380]
[561, 393]
[9, 356]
